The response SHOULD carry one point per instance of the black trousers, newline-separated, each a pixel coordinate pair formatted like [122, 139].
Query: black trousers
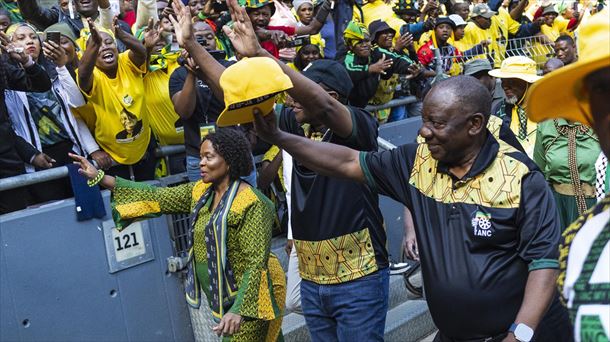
[143, 170]
[554, 327]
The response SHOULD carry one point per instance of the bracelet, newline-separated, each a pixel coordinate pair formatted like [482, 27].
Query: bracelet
[98, 178]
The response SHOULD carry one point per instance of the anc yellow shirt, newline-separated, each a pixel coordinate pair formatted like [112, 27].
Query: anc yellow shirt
[560, 26]
[378, 10]
[164, 121]
[530, 140]
[121, 121]
[501, 26]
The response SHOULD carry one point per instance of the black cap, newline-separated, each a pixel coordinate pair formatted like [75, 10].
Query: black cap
[331, 73]
[444, 20]
[378, 26]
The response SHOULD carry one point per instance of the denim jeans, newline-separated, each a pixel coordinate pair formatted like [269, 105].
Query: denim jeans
[352, 311]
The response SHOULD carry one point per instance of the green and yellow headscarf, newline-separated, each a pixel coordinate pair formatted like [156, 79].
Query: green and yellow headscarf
[354, 33]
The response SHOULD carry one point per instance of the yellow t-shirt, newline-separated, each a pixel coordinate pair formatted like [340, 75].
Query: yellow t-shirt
[163, 118]
[378, 10]
[501, 26]
[560, 26]
[121, 119]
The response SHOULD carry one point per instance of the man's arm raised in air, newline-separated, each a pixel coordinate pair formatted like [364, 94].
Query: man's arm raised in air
[315, 100]
[321, 157]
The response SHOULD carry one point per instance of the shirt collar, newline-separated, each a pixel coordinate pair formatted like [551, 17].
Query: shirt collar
[486, 156]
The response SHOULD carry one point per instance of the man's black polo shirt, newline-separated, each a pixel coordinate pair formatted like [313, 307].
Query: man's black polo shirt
[336, 224]
[478, 236]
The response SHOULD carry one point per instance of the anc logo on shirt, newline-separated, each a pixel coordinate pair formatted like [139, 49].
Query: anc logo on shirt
[481, 224]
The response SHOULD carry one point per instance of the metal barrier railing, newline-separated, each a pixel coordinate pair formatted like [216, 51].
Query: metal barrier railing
[538, 48]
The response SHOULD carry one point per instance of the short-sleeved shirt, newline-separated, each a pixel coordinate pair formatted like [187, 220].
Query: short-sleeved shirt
[122, 126]
[501, 26]
[478, 235]
[207, 109]
[336, 224]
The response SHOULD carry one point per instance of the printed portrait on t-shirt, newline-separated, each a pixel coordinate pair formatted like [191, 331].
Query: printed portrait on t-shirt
[133, 127]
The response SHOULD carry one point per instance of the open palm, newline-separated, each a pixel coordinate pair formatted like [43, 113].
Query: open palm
[242, 33]
[182, 23]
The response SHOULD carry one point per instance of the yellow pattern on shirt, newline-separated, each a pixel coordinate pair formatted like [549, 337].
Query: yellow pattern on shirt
[163, 117]
[109, 97]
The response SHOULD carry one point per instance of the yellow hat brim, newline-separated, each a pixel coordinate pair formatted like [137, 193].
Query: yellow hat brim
[529, 78]
[244, 115]
[556, 95]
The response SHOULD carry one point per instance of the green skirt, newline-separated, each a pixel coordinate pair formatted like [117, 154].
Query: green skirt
[567, 208]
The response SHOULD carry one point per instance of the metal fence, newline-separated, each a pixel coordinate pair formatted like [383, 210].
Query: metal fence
[537, 48]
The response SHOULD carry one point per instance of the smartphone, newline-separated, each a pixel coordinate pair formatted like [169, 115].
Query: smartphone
[53, 36]
[299, 41]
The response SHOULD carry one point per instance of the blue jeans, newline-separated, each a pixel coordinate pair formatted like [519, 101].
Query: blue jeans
[351, 311]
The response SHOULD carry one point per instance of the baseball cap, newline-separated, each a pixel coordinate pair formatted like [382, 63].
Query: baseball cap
[331, 73]
[378, 26]
[251, 82]
[482, 10]
[457, 20]
[476, 65]
[559, 93]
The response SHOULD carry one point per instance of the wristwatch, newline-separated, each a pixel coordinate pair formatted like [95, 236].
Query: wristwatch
[522, 332]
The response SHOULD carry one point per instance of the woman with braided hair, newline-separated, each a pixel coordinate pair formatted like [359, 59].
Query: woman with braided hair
[566, 153]
[229, 239]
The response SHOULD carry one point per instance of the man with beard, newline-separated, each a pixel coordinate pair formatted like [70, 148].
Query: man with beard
[565, 49]
[517, 74]
[579, 92]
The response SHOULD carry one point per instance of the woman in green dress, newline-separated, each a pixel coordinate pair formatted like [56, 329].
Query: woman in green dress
[229, 240]
[566, 153]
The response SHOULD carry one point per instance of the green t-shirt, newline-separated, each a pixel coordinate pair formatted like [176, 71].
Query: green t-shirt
[551, 153]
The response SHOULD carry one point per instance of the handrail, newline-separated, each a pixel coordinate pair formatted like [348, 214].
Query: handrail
[161, 152]
[62, 171]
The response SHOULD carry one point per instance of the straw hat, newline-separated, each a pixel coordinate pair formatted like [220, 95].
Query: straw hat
[249, 83]
[559, 93]
[519, 67]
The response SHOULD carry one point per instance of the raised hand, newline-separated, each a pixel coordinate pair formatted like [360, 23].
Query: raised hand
[182, 22]
[380, 66]
[55, 53]
[151, 35]
[265, 126]
[242, 33]
[118, 31]
[403, 41]
[86, 168]
[16, 53]
[94, 37]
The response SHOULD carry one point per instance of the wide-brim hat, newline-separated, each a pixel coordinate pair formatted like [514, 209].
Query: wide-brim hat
[248, 84]
[378, 26]
[519, 67]
[559, 93]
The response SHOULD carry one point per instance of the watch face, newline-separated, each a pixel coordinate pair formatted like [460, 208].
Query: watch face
[523, 333]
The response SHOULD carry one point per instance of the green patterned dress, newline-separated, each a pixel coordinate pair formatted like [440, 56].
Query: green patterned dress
[261, 284]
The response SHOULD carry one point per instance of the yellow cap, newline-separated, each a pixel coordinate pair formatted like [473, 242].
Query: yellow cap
[519, 67]
[249, 83]
[559, 93]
